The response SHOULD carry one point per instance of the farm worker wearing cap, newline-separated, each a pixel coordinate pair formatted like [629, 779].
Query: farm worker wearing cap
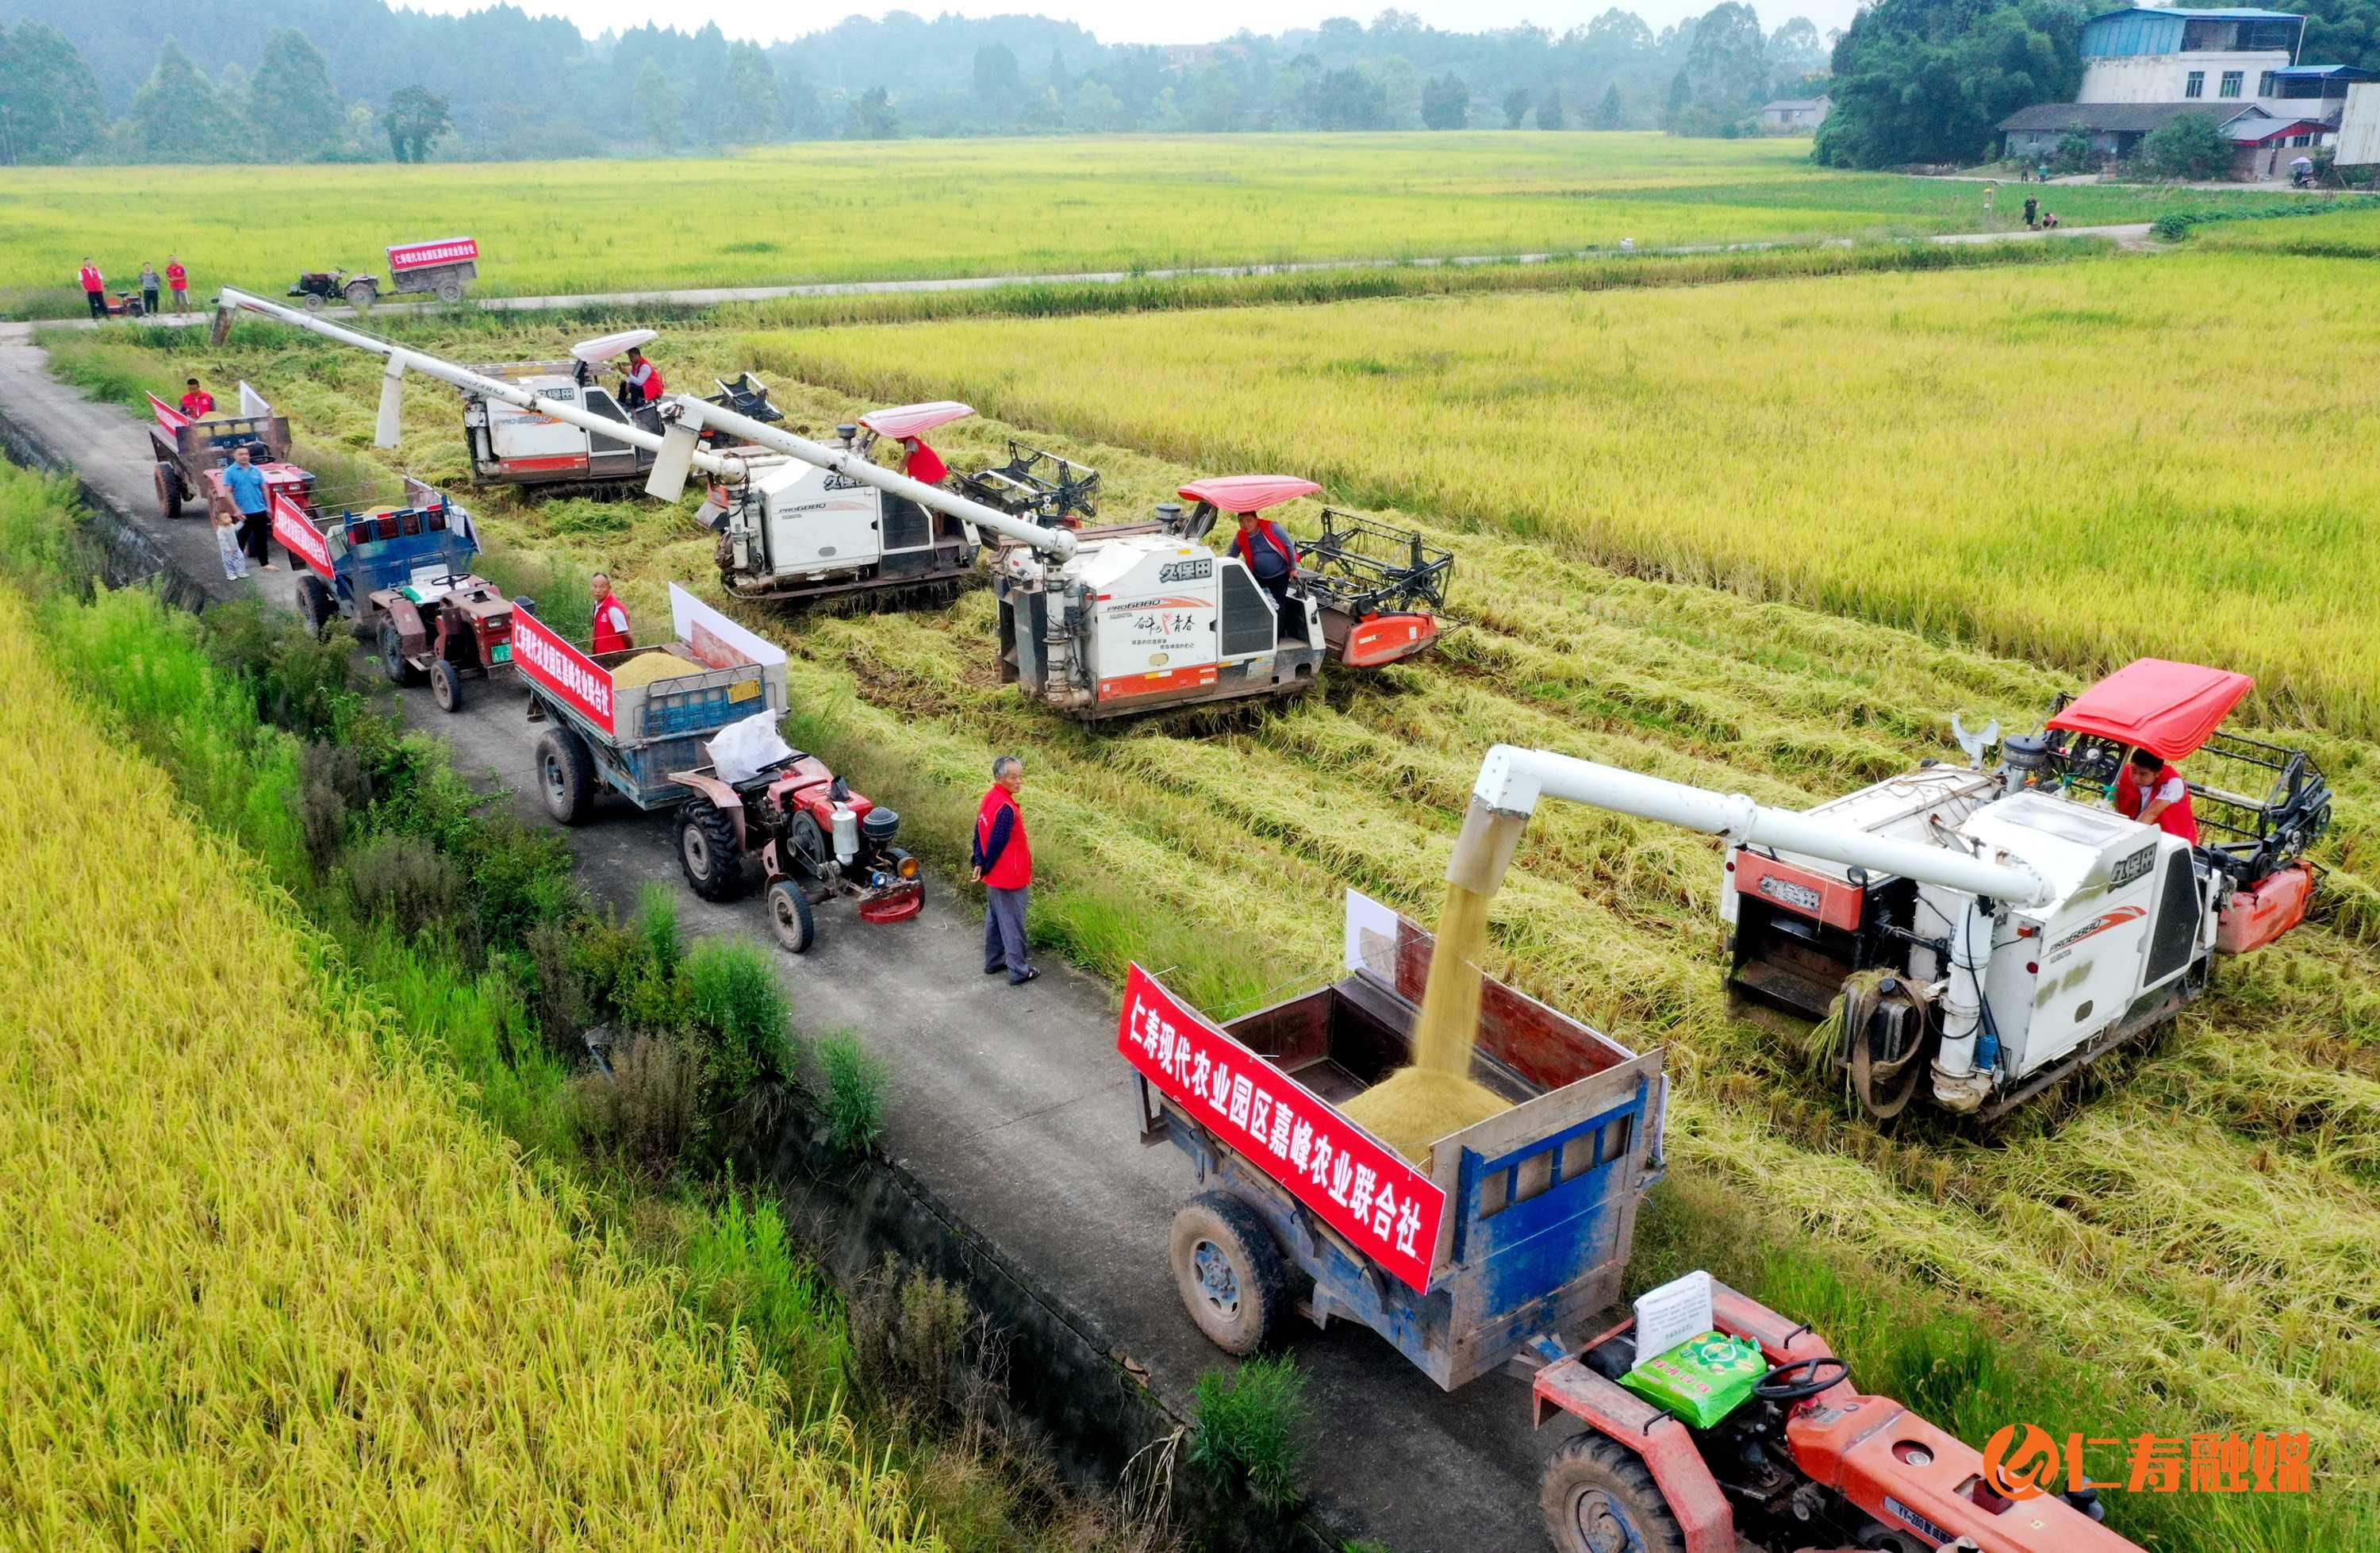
[94, 288]
[244, 482]
[197, 403]
[149, 285]
[178, 281]
[640, 383]
[1004, 865]
[921, 462]
[2153, 792]
[1269, 554]
[611, 618]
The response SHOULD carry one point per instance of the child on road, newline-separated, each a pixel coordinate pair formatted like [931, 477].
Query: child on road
[234, 560]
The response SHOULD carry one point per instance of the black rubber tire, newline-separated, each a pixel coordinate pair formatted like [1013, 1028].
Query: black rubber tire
[171, 497]
[1598, 1496]
[566, 777]
[790, 917]
[450, 290]
[1238, 1290]
[392, 658]
[313, 301]
[446, 686]
[360, 294]
[708, 852]
[314, 603]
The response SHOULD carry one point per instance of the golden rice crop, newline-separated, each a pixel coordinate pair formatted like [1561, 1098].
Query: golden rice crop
[2201, 1225]
[828, 210]
[262, 1286]
[2088, 462]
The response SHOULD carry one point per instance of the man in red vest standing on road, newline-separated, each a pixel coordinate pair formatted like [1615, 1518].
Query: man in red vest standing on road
[178, 281]
[611, 618]
[94, 288]
[1004, 865]
[2152, 791]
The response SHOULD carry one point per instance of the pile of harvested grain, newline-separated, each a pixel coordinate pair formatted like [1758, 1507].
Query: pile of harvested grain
[646, 668]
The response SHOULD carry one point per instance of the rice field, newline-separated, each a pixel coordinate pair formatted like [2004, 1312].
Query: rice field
[846, 211]
[2195, 1229]
[2085, 462]
[262, 1287]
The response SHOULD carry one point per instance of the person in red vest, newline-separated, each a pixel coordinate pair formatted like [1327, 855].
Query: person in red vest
[197, 403]
[1004, 865]
[921, 462]
[640, 382]
[1271, 554]
[94, 288]
[178, 281]
[2152, 791]
[611, 618]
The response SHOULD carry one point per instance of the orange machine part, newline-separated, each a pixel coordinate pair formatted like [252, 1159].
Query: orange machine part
[1906, 1472]
[2255, 917]
[1384, 639]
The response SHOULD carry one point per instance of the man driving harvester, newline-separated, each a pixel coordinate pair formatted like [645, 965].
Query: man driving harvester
[2151, 789]
[1271, 554]
[640, 382]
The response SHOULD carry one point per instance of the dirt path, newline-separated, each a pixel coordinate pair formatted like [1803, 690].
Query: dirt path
[1010, 1104]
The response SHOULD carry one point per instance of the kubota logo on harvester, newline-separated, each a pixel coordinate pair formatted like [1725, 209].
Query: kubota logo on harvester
[2025, 1461]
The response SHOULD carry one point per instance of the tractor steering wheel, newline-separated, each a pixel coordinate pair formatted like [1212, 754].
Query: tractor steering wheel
[1777, 1386]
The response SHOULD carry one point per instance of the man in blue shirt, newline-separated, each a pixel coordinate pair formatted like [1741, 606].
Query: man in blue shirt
[244, 482]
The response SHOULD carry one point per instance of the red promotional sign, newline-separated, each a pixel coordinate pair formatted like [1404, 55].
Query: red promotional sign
[167, 416]
[445, 250]
[1360, 1188]
[298, 535]
[581, 683]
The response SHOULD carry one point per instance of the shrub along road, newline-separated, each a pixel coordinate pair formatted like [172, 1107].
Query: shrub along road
[1009, 1104]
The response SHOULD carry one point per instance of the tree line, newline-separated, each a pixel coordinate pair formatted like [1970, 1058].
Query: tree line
[301, 81]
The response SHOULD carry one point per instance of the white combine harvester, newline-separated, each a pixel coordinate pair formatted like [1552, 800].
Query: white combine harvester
[2012, 926]
[1103, 624]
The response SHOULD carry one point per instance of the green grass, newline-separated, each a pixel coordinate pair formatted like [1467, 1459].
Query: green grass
[833, 211]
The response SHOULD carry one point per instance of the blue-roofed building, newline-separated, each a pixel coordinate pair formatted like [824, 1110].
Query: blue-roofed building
[2153, 54]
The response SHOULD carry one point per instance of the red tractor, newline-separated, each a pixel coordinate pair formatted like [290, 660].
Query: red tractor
[815, 839]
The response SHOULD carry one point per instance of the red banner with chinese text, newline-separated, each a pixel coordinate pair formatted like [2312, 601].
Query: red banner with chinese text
[577, 681]
[1359, 1187]
[298, 535]
[171, 420]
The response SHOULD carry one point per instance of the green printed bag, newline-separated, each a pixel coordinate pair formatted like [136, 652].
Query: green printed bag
[1703, 1380]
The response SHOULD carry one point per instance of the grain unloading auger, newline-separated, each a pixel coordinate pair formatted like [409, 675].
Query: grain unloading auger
[1992, 930]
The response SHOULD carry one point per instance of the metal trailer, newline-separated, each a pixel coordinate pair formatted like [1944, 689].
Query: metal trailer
[631, 737]
[439, 268]
[189, 454]
[1494, 1252]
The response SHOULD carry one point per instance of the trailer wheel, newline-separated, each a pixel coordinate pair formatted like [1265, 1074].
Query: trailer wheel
[392, 658]
[565, 775]
[790, 916]
[361, 294]
[314, 606]
[446, 686]
[1597, 1498]
[450, 289]
[1230, 1272]
[707, 851]
[170, 494]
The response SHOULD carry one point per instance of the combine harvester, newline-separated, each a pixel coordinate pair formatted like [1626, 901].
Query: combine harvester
[1495, 1250]
[1995, 931]
[1099, 624]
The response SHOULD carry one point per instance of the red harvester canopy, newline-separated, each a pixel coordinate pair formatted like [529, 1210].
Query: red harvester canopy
[2166, 708]
[916, 420]
[1248, 493]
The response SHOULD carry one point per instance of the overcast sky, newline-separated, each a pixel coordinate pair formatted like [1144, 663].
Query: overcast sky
[1126, 21]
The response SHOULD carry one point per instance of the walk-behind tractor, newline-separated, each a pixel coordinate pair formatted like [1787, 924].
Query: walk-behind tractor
[1992, 931]
[1735, 1426]
[401, 577]
[191, 454]
[691, 725]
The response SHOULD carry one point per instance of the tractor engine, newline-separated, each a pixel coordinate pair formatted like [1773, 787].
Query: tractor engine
[827, 836]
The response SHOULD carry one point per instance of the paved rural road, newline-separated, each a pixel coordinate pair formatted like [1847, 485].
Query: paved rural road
[2128, 235]
[1009, 1103]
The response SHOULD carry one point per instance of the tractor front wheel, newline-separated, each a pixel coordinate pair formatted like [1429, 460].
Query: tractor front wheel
[314, 606]
[708, 852]
[566, 777]
[1598, 1497]
[446, 686]
[392, 661]
[170, 494]
[1231, 1274]
[790, 917]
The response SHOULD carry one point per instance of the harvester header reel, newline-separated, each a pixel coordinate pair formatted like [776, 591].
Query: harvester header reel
[1037, 483]
[1370, 567]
